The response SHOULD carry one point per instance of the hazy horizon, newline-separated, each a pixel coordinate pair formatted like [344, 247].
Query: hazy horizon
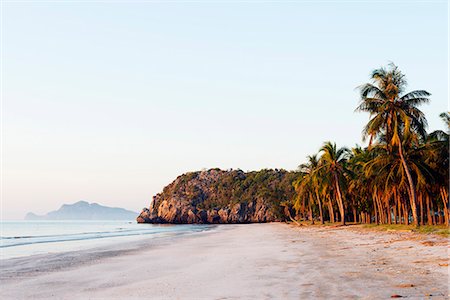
[110, 102]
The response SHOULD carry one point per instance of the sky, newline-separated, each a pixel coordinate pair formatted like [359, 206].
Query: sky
[109, 102]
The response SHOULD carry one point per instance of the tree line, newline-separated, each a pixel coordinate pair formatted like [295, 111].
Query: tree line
[401, 177]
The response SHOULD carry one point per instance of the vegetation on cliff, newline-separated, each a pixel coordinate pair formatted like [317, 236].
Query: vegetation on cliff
[217, 196]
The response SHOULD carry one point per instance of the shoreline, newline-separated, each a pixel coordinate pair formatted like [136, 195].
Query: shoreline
[70, 236]
[268, 260]
[51, 262]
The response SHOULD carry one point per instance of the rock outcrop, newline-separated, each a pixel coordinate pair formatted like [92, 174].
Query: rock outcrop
[219, 197]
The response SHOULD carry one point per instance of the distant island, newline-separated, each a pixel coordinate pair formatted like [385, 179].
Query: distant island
[83, 210]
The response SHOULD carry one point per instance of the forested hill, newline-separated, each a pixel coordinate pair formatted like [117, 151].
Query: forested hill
[218, 196]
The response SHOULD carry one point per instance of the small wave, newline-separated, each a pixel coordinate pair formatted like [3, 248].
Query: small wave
[66, 234]
[15, 237]
[68, 238]
[14, 241]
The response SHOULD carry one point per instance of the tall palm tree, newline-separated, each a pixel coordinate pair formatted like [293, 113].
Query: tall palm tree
[438, 141]
[313, 180]
[395, 117]
[304, 192]
[440, 135]
[358, 183]
[445, 116]
[332, 163]
[390, 176]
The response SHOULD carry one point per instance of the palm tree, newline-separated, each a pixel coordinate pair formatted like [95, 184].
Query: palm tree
[313, 179]
[303, 192]
[394, 117]
[390, 177]
[438, 159]
[445, 116]
[332, 163]
[358, 183]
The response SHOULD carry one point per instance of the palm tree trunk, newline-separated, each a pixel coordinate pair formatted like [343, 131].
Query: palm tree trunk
[375, 209]
[379, 209]
[412, 190]
[395, 210]
[388, 209]
[320, 207]
[292, 219]
[434, 212]
[303, 208]
[330, 211]
[340, 202]
[429, 219]
[399, 206]
[389, 219]
[310, 211]
[422, 222]
[445, 199]
[405, 213]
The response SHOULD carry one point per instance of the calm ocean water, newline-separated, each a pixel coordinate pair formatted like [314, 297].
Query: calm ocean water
[23, 238]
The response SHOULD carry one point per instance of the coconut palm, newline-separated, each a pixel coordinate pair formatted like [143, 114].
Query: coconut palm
[395, 117]
[332, 166]
[390, 176]
[358, 183]
[438, 159]
[313, 180]
[304, 196]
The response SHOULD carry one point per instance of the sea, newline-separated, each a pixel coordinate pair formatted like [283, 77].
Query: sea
[25, 238]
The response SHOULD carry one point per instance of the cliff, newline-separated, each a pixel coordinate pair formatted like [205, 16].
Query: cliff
[218, 197]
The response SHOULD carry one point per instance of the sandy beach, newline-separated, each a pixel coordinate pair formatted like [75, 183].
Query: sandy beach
[254, 261]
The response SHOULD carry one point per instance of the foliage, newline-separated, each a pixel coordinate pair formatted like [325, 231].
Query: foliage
[402, 176]
[215, 188]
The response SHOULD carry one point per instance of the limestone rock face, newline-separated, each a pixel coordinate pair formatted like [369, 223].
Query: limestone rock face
[220, 197]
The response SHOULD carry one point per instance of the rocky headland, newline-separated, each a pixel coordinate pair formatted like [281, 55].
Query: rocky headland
[219, 197]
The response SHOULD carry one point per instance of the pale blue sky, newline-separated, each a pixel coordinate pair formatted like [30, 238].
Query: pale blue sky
[109, 102]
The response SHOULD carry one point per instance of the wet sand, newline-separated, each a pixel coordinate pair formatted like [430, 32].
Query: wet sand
[252, 261]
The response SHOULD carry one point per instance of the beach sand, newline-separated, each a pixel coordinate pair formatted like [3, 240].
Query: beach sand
[254, 261]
